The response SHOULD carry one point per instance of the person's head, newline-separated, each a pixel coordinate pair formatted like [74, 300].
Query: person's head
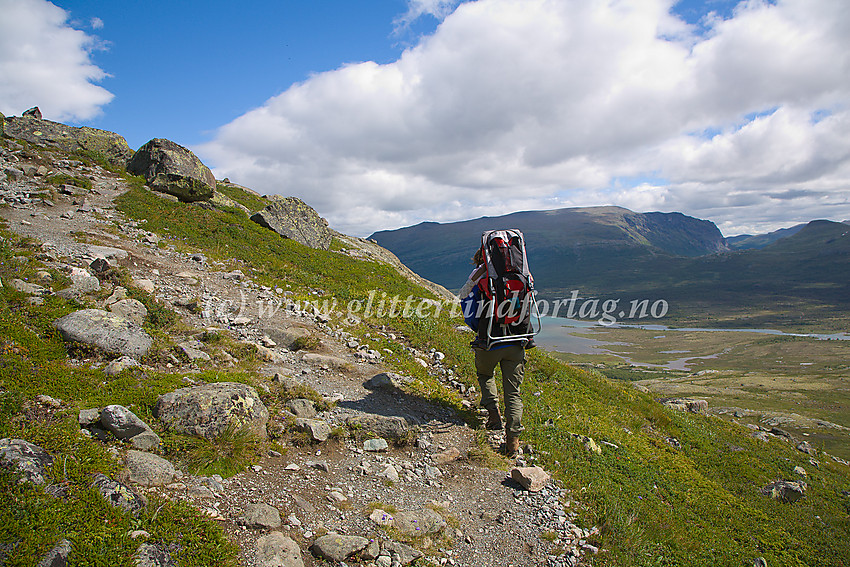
[478, 257]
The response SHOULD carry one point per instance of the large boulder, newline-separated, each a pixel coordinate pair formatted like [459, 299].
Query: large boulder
[292, 218]
[106, 331]
[33, 129]
[170, 168]
[208, 410]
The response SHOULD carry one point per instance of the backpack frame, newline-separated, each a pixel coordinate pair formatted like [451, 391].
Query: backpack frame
[507, 289]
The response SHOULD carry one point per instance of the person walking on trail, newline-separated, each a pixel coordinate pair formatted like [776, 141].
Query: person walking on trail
[508, 355]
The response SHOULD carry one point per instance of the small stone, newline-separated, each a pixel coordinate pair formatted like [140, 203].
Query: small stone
[532, 479]
[381, 517]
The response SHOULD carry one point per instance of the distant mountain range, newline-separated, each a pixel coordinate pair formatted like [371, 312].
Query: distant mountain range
[792, 276]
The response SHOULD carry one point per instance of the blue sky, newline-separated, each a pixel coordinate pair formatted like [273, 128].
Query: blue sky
[386, 113]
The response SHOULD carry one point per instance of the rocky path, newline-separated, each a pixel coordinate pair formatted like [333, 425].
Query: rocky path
[443, 502]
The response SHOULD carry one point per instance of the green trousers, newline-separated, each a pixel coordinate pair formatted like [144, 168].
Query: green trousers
[511, 360]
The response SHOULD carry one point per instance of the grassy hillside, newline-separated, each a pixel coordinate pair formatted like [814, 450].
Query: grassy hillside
[695, 501]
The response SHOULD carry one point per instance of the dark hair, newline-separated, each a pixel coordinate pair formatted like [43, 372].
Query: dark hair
[478, 257]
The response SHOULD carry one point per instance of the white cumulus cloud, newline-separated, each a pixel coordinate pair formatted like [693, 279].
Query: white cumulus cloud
[522, 104]
[45, 62]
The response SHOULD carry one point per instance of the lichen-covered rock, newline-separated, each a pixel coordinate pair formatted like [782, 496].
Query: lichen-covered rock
[292, 218]
[209, 409]
[106, 331]
[69, 138]
[170, 168]
[118, 494]
[31, 460]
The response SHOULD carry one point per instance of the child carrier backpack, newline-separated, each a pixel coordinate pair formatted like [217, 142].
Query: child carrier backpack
[507, 288]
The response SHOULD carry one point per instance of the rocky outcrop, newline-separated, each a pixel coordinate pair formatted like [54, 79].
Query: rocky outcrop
[118, 494]
[685, 404]
[208, 410]
[147, 469]
[787, 491]
[33, 129]
[293, 218]
[170, 168]
[106, 331]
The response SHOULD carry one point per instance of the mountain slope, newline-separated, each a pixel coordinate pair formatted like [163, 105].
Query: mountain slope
[555, 241]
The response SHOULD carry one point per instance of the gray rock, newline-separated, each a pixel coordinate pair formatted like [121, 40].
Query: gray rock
[292, 218]
[209, 409]
[118, 494]
[106, 331]
[123, 423]
[82, 286]
[337, 547]
[533, 479]
[89, 417]
[69, 138]
[277, 550]
[131, 309]
[260, 516]
[170, 168]
[375, 445]
[785, 490]
[301, 407]
[419, 523]
[389, 427]
[149, 555]
[31, 460]
[146, 441]
[119, 365]
[58, 556]
[317, 429]
[147, 469]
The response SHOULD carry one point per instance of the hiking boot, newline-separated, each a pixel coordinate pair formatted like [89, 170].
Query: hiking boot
[511, 445]
[494, 420]
[530, 344]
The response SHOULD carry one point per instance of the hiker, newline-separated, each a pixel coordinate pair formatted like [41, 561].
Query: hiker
[504, 350]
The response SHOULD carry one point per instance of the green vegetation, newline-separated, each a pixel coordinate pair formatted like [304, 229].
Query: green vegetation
[248, 200]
